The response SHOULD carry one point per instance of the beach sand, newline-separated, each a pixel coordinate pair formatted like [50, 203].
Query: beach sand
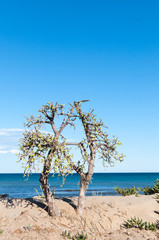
[103, 218]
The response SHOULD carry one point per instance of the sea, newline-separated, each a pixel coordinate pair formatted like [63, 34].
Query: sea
[18, 186]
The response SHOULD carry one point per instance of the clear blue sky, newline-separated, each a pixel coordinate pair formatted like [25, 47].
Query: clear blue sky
[105, 51]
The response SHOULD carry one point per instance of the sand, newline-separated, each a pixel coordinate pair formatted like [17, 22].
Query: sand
[103, 218]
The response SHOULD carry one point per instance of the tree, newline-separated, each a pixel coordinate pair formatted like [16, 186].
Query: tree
[49, 150]
[96, 142]
[53, 151]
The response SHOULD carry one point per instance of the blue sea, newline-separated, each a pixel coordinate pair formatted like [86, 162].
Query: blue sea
[102, 183]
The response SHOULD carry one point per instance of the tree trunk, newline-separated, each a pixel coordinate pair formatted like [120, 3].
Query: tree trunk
[44, 177]
[84, 181]
[81, 199]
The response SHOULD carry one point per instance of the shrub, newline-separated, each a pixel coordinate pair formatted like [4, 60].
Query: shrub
[151, 190]
[79, 236]
[157, 196]
[138, 223]
[146, 190]
[127, 191]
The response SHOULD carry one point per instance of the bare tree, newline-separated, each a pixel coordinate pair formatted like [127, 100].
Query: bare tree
[49, 150]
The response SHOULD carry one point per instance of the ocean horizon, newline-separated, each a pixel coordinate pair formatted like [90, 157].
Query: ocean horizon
[17, 186]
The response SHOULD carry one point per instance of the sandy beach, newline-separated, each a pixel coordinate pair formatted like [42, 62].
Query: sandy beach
[103, 218]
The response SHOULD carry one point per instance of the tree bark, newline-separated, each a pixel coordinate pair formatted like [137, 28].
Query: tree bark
[83, 189]
[84, 181]
[44, 177]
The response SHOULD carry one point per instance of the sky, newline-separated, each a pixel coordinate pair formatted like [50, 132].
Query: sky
[104, 51]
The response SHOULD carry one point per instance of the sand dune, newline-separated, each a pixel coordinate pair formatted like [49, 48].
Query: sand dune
[103, 218]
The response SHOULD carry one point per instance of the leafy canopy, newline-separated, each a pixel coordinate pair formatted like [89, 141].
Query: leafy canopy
[36, 145]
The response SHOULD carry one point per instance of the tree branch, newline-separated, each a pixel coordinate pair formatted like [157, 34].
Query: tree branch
[46, 115]
[37, 122]
[71, 143]
[78, 170]
[85, 125]
[54, 128]
[67, 121]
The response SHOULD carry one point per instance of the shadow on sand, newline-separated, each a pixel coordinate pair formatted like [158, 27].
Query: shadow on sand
[69, 201]
[25, 202]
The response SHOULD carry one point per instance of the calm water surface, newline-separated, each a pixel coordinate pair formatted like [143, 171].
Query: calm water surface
[103, 183]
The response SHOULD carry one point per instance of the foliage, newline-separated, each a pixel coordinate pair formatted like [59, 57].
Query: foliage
[146, 190]
[66, 235]
[1, 231]
[127, 191]
[95, 144]
[28, 227]
[138, 223]
[96, 139]
[157, 196]
[37, 145]
[151, 190]
[79, 236]
[49, 151]
[52, 151]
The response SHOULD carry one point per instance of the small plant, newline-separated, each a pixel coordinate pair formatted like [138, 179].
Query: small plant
[39, 196]
[138, 223]
[157, 196]
[1, 231]
[66, 235]
[28, 227]
[79, 236]
[151, 190]
[127, 191]
[95, 194]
